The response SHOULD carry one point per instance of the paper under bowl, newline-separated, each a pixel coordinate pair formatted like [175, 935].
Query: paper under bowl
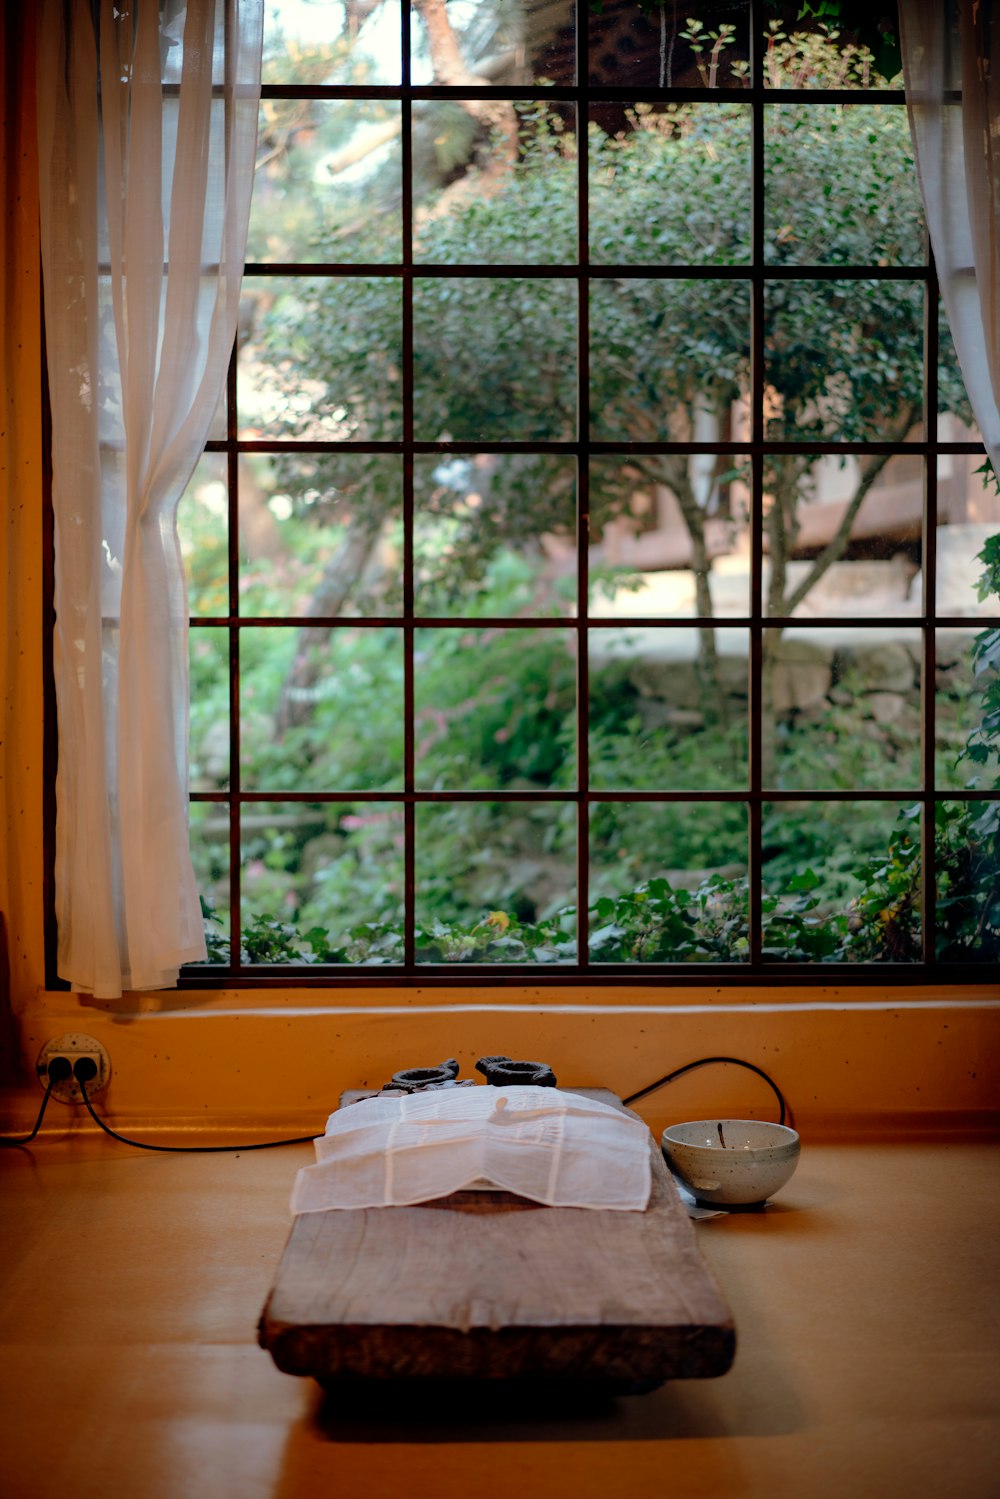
[757, 1160]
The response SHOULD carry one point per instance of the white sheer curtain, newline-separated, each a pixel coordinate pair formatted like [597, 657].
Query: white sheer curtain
[953, 97]
[147, 135]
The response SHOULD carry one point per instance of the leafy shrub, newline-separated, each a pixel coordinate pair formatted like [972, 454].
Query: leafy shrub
[653, 921]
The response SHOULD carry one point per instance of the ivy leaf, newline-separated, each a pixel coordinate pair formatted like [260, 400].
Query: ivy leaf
[808, 880]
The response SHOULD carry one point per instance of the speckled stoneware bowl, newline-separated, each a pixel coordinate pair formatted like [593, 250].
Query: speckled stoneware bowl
[737, 1161]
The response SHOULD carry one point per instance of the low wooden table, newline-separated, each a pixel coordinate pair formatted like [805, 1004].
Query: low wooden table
[490, 1286]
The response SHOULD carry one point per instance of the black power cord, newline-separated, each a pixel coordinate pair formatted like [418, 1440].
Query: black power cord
[27, 1139]
[706, 1062]
[85, 1070]
[59, 1072]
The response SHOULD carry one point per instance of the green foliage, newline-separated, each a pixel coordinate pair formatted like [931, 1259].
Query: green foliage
[656, 923]
[875, 28]
[860, 906]
[535, 226]
[795, 928]
[351, 736]
[830, 894]
[698, 155]
[864, 208]
[495, 359]
[883, 922]
[967, 870]
[216, 942]
[983, 745]
[498, 938]
[472, 731]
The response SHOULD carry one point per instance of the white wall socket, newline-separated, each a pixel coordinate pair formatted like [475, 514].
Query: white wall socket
[73, 1046]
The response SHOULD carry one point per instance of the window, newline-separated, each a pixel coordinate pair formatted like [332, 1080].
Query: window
[583, 574]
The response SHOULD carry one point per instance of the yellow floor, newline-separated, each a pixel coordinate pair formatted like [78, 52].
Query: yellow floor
[865, 1300]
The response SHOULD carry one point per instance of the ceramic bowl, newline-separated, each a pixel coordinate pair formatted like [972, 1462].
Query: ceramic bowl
[731, 1160]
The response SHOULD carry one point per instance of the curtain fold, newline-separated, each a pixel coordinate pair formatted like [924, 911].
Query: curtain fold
[147, 133]
[953, 98]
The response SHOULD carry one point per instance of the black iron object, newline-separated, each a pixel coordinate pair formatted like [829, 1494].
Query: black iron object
[412, 1079]
[503, 1072]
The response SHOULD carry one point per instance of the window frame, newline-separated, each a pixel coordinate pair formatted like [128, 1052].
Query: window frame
[757, 274]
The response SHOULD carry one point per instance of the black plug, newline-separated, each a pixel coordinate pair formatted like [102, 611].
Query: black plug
[59, 1070]
[84, 1070]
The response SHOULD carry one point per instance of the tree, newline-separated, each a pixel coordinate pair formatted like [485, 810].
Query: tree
[495, 359]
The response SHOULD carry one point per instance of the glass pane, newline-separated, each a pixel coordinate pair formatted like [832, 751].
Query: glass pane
[841, 882]
[968, 524]
[844, 360]
[322, 883]
[203, 532]
[321, 710]
[496, 882]
[218, 427]
[494, 359]
[330, 41]
[110, 417]
[494, 709]
[841, 709]
[652, 45]
[870, 508]
[668, 709]
[208, 824]
[508, 200]
[956, 419]
[173, 16]
[669, 184]
[320, 534]
[967, 703]
[328, 184]
[495, 534]
[208, 654]
[813, 54]
[967, 870]
[499, 42]
[665, 356]
[840, 186]
[320, 358]
[668, 882]
[669, 533]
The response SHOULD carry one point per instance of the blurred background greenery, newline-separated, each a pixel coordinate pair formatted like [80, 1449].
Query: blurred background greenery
[321, 544]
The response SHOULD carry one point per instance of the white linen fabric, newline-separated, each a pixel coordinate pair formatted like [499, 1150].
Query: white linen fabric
[953, 97]
[147, 123]
[551, 1146]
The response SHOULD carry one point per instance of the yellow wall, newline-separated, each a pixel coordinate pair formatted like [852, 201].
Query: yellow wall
[847, 1066]
[21, 557]
[849, 1059]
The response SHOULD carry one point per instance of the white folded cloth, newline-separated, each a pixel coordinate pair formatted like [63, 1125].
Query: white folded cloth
[545, 1144]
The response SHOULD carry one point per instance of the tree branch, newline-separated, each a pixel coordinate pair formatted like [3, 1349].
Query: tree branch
[362, 146]
[340, 577]
[451, 70]
[781, 527]
[837, 544]
[673, 472]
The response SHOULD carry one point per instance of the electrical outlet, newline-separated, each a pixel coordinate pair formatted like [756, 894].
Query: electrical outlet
[72, 1047]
